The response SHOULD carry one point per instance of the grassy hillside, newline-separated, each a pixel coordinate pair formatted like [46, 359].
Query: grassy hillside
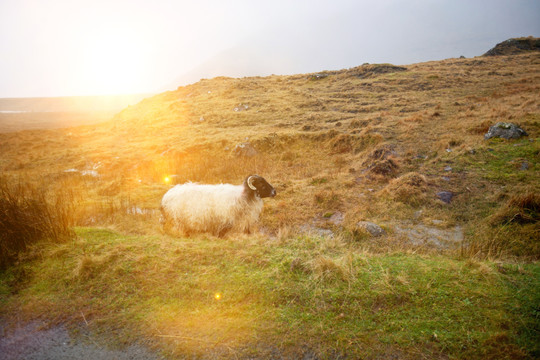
[375, 143]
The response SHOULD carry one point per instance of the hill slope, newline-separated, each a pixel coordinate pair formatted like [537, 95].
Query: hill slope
[453, 273]
[337, 142]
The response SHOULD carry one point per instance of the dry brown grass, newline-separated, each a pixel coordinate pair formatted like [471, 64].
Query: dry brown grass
[370, 142]
[521, 208]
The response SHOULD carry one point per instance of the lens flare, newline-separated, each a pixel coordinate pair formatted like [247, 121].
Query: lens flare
[217, 296]
[167, 179]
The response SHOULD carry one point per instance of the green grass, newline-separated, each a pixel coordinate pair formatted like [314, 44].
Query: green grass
[501, 160]
[326, 295]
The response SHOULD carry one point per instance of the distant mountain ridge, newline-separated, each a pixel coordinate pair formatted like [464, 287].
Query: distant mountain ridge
[102, 103]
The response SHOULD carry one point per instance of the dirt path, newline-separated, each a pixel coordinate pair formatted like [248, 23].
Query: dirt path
[34, 341]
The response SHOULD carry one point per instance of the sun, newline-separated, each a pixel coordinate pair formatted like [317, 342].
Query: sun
[114, 61]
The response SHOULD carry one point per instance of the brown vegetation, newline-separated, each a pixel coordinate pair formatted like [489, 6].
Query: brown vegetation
[375, 142]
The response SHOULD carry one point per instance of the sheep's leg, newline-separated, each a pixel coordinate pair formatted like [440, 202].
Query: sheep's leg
[223, 230]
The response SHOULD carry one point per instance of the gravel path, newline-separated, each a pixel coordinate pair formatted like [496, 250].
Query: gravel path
[33, 341]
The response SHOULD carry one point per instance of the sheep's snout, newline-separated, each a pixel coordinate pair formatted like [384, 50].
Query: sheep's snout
[273, 193]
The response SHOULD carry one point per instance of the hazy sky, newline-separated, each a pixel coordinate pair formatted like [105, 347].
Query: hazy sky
[79, 47]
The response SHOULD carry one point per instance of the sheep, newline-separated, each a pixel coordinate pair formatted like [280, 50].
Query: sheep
[218, 209]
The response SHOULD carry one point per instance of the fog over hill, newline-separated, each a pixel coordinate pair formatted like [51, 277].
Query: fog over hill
[70, 103]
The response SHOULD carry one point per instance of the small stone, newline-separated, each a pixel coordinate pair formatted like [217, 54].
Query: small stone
[448, 168]
[524, 166]
[445, 196]
[374, 229]
[446, 178]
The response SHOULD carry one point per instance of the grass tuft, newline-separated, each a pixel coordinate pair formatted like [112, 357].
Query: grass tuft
[27, 217]
[409, 188]
[520, 209]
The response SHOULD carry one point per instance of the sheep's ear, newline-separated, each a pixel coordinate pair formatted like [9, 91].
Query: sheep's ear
[250, 183]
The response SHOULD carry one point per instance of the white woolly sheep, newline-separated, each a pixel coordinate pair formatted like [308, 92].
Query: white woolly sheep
[218, 209]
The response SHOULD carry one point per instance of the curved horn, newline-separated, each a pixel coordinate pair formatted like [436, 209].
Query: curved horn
[249, 182]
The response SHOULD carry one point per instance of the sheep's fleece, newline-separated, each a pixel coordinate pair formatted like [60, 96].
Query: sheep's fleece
[217, 209]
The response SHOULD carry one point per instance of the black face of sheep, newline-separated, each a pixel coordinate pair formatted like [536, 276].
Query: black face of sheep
[256, 185]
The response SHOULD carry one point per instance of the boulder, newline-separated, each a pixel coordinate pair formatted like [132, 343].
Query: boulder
[505, 130]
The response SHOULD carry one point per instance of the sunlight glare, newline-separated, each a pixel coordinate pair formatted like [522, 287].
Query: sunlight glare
[114, 61]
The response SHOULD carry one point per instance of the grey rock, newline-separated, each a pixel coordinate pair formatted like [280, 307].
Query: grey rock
[448, 168]
[505, 130]
[374, 229]
[445, 196]
[524, 166]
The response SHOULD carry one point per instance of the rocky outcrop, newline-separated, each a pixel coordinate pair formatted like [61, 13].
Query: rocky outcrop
[515, 46]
